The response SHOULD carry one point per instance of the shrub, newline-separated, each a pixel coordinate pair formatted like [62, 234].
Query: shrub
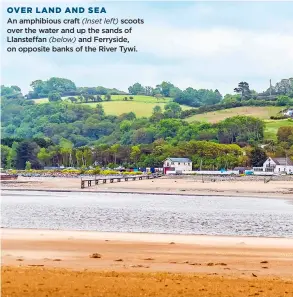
[28, 165]
[278, 117]
[132, 173]
[71, 171]
[97, 170]
[110, 172]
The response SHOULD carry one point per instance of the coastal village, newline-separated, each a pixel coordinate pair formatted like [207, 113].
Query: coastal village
[171, 166]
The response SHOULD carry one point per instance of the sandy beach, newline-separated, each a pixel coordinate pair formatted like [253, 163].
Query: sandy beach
[47, 263]
[251, 187]
[38, 262]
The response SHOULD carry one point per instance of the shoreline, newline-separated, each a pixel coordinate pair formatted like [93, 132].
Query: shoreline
[197, 194]
[181, 186]
[138, 236]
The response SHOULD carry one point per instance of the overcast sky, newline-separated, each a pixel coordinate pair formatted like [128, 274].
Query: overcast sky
[198, 44]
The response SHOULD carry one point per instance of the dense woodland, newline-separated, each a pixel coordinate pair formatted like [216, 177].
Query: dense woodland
[76, 135]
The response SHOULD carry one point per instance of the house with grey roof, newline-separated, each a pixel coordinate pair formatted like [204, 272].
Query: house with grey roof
[276, 166]
[177, 165]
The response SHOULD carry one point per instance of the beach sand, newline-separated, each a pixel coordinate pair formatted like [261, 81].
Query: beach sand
[59, 263]
[164, 185]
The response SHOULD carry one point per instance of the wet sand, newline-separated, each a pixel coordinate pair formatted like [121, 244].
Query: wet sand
[164, 185]
[59, 263]
[46, 282]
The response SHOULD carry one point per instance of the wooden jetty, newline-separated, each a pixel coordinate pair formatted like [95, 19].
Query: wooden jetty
[91, 181]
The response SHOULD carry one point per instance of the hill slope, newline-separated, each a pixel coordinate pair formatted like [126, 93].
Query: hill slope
[142, 106]
[216, 116]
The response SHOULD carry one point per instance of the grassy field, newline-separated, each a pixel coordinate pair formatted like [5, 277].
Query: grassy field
[273, 126]
[142, 106]
[141, 109]
[263, 113]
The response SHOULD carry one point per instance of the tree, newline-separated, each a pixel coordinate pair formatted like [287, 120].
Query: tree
[99, 99]
[44, 156]
[148, 91]
[107, 97]
[136, 89]
[173, 110]
[283, 100]
[11, 158]
[143, 135]
[5, 151]
[135, 153]
[53, 97]
[28, 165]
[13, 92]
[243, 89]
[100, 110]
[27, 151]
[114, 149]
[285, 134]
[165, 88]
[157, 109]
[63, 86]
[258, 157]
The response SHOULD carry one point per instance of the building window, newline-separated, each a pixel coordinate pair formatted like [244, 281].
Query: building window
[172, 163]
[167, 164]
[178, 163]
[188, 164]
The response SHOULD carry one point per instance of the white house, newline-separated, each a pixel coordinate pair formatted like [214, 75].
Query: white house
[276, 165]
[178, 165]
[289, 113]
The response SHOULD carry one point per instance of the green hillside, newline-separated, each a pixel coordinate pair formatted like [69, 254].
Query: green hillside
[264, 112]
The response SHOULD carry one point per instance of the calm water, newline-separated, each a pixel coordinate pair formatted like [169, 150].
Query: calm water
[148, 213]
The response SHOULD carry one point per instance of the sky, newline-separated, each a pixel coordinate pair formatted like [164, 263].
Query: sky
[212, 45]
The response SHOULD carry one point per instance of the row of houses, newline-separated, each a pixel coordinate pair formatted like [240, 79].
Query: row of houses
[270, 166]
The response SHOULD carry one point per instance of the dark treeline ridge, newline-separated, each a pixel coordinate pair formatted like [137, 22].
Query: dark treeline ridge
[55, 88]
